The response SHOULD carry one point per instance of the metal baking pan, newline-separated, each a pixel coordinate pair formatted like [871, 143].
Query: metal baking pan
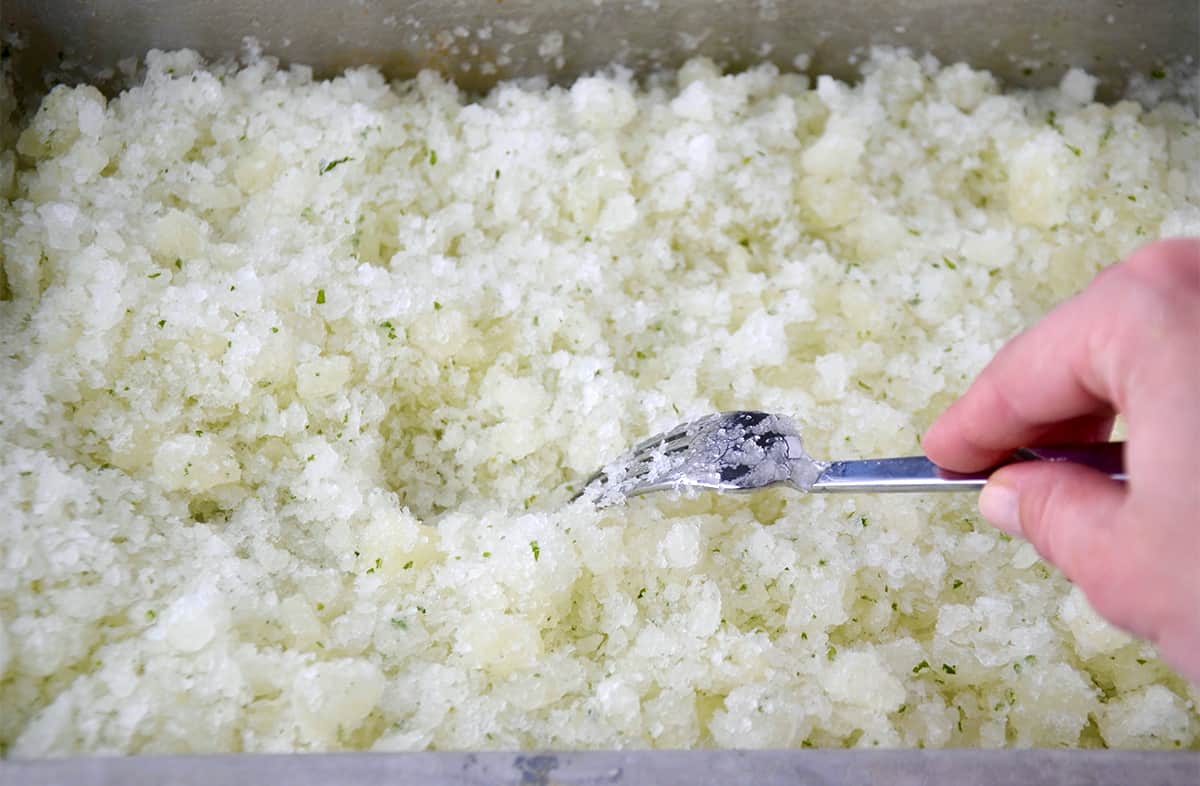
[1025, 43]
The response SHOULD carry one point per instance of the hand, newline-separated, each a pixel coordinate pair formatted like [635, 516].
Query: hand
[1129, 344]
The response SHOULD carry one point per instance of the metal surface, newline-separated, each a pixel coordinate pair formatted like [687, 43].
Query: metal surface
[907, 473]
[745, 451]
[1026, 42]
[663, 768]
[919, 474]
[728, 451]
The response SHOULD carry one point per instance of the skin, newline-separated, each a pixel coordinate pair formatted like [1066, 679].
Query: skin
[1129, 344]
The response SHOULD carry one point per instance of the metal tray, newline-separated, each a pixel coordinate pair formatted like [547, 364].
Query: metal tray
[1026, 43]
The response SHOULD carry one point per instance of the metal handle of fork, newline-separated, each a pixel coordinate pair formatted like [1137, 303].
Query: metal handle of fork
[917, 473]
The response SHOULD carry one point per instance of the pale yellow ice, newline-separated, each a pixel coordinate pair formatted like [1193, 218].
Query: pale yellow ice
[293, 375]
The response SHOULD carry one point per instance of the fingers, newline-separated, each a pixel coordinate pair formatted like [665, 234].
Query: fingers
[1063, 379]
[1078, 431]
[1066, 511]
[1041, 379]
[1136, 573]
[1130, 343]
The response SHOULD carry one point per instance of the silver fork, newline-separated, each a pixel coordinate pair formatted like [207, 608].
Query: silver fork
[745, 451]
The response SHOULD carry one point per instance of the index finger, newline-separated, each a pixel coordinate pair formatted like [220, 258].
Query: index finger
[1073, 367]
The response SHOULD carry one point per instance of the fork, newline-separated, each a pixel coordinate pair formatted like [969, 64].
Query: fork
[746, 450]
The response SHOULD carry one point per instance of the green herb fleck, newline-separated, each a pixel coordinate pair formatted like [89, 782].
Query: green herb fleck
[949, 264]
[920, 667]
[1131, 198]
[437, 306]
[831, 653]
[320, 297]
[863, 520]
[536, 549]
[487, 554]
[946, 667]
[161, 323]
[641, 593]
[329, 166]
[399, 623]
[151, 614]
[274, 329]
[863, 385]
[320, 607]
[433, 158]
[742, 588]
[1141, 661]
[1158, 73]
[408, 565]
[178, 263]
[1051, 116]
[497, 174]
[1075, 150]
[957, 583]
[154, 275]
[311, 456]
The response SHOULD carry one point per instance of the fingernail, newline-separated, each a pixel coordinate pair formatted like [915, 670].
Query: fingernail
[998, 504]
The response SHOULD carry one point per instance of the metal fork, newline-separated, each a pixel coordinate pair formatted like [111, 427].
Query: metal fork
[745, 451]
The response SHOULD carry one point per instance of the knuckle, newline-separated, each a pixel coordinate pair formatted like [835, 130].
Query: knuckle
[1065, 528]
[1171, 266]
[1155, 316]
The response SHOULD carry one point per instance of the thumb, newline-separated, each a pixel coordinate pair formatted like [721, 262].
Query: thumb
[1066, 511]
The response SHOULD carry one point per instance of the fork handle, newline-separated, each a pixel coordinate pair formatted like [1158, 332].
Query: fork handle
[917, 473]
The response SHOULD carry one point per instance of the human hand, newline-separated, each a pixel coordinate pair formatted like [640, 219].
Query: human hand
[1128, 344]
